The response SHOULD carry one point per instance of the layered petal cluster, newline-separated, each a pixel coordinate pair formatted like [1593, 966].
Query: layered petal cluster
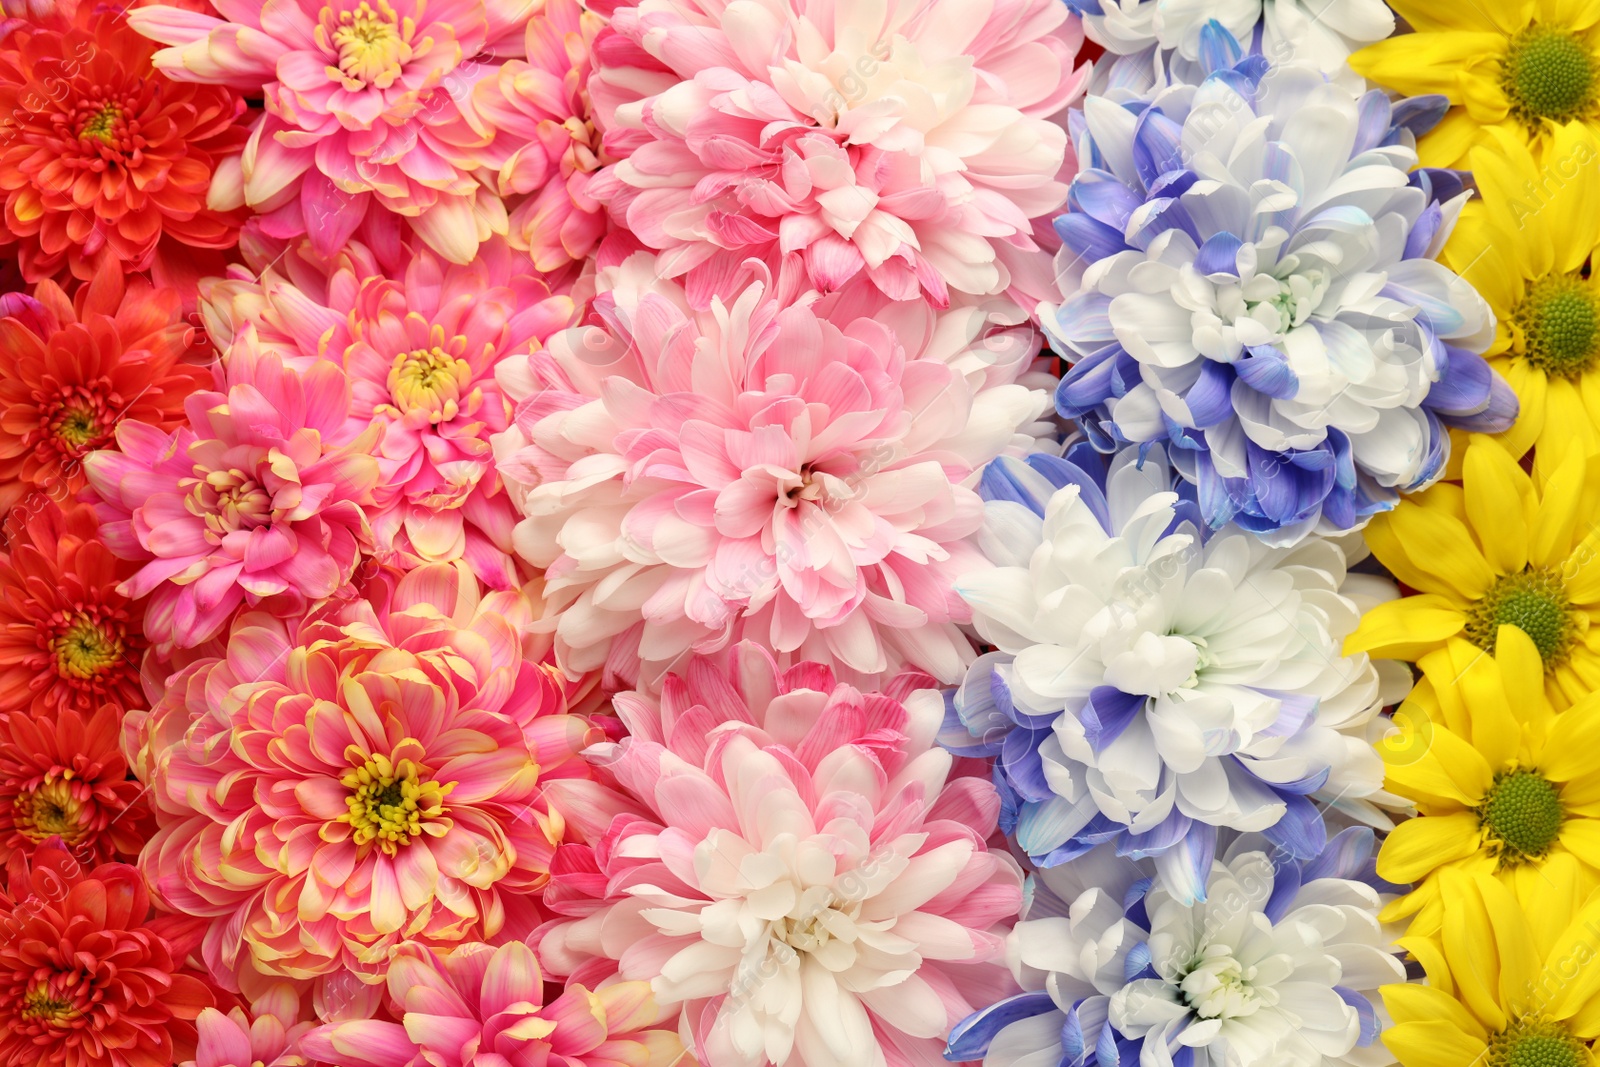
[906, 145]
[376, 774]
[1249, 276]
[75, 368]
[368, 108]
[1149, 38]
[269, 1036]
[1152, 683]
[484, 1007]
[543, 104]
[1279, 965]
[88, 978]
[781, 466]
[104, 158]
[258, 499]
[791, 866]
[69, 638]
[419, 350]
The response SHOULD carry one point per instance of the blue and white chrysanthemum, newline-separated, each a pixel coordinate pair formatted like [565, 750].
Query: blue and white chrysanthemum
[1154, 680]
[1147, 39]
[1278, 967]
[1250, 278]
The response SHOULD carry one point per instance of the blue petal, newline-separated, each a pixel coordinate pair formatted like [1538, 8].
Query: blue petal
[1346, 856]
[1422, 232]
[1104, 197]
[1267, 371]
[1219, 255]
[1106, 714]
[1219, 49]
[1375, 119]
[970, 1038]
[1019, 755]
[1363, 1007]
[1419, 114]
[1301, 832]
[1210, 398]
[1137, 962]
[1064, 472]
[1157, 145]
[1156, 840]
[1089, 238]
[997, 482]
[1186, 867]
[1286, 882]
[1097, 377]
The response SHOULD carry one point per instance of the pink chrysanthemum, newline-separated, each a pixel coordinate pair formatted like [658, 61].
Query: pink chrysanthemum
[268, 1037]
[907, 142]
[260, 500]
[419, 350]
[372, 776]
[484, 1007]
[367, 108]
[790, 469]
[788, 862]
[544, 104]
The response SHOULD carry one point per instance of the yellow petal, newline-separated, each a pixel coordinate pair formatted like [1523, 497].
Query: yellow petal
[1559, 501]
[1576, 944]
[1581, 837]
[1419, 846]
[1440, 546]
[1449, 142]
[1493, 481]
[1435, 1044]
[1572, 749]
[1451, 769]
[1420, 1003]
[1522, 676]
[1505, 17]
[1531, 386]
[1407, 628]
[1427, 62]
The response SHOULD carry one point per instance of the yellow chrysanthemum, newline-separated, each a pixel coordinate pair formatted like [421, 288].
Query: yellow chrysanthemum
[1525, 66]
[1503, 784]
[1496, 551]
[1524, 244]
[1508, 985]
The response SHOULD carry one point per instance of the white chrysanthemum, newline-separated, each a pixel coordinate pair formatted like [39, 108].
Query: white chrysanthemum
[1167, 679]
[1321, 33]
[1278, 967]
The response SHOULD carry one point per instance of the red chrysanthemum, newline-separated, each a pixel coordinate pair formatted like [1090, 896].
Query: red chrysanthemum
[74, 369]
[87, 977]
[68, 639]
[64, 776]
[102, 155]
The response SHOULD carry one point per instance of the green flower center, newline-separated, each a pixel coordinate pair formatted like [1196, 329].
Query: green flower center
[1548, 73]
[84, 648]
[1560, 323]
[1535, 1042]
[1521, 816]
[1536, 603]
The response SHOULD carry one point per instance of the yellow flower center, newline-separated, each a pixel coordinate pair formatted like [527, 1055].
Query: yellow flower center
[1521, 816]
[49, 810]
[1535, 602]
[39, 1004]
[228, 500]
[371, 48]
[102, 124]
[84, 649]
[77, 426]
[1548, 73]
[1560, 323]
[390, 802]
[430, 380]
[1534, 1041]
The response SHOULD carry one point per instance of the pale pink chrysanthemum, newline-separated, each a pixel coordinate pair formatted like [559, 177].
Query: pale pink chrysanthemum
[269, 1036]
[790, 864]
[543, 105]
[484, 1007]
[420, 350]
[908, 142]
[258, 500]
[790, 468]
[374, 774]
[367, 108]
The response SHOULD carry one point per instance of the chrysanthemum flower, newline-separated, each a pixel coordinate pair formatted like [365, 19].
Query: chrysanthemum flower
[543, 103]
[1299, 355]
[1528, 254]
[367, 109]
[862, 141]
[1153, 683]
[484, 1007]
[269, 1036]
[375, 776]
[1279, 966]
[774, 467]
[101, 156]
[1507, 984]
[794, 871]
[260, 499]
[75, 368]
[1503, 783]
[420, 351]
[63, 775]
[1498, 551]
[1145, 35]
[87, 977]
[1526, 67]
[68, 637]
